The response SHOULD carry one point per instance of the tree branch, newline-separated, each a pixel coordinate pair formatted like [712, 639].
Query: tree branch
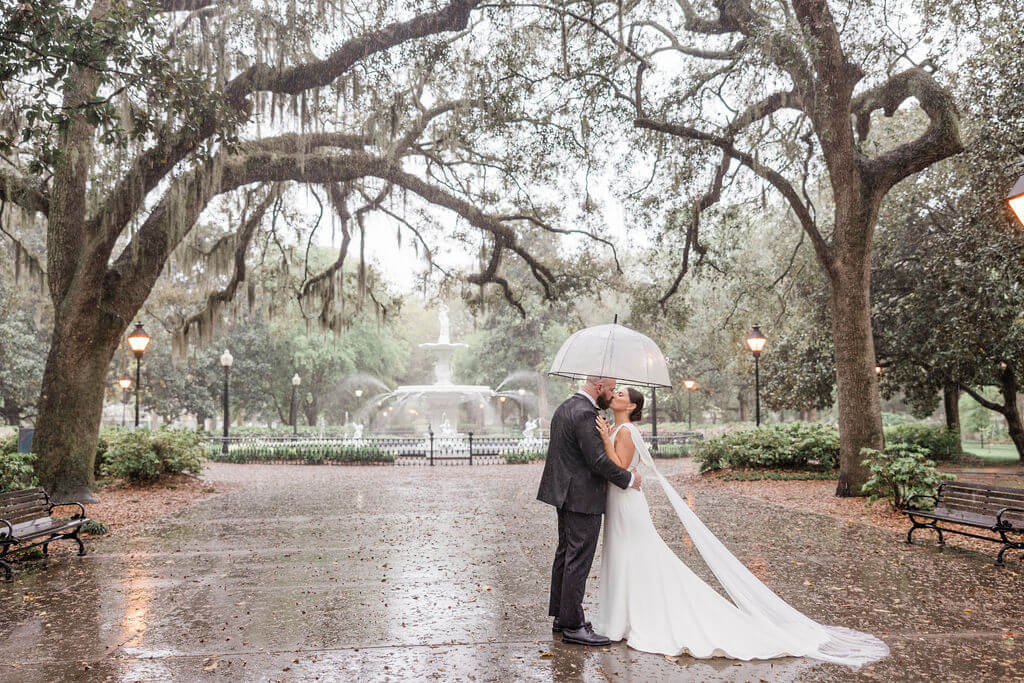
[23, 192]
[779, 181]
[991, 405]
[940, 140]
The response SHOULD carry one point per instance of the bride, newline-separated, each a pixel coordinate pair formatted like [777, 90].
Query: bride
[651, 599]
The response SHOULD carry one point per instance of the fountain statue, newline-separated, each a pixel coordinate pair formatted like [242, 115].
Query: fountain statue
[530, 440]
[444, 335]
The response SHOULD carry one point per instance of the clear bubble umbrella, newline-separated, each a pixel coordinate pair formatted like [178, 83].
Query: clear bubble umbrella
[612, 351]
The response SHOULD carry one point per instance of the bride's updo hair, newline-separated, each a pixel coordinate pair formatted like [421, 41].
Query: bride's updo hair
[637, 398]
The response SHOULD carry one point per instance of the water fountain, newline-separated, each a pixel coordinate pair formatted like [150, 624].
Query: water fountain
[439, 407]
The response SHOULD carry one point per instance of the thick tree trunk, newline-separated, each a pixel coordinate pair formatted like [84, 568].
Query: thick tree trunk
[1012, 412]
[71, 403]
[858, 403]
[743, 406]
[951, 405]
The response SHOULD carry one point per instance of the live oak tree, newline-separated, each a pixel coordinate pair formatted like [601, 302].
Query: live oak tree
[787, 92]
[123, 121]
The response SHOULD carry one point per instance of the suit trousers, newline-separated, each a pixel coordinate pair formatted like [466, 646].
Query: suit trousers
[577, 541]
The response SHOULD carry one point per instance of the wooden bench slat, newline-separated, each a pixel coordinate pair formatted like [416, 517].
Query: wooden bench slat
[5, 510]
[15, 495]
[981, 488]
[986, 506]
[981, 495]
[995, 503]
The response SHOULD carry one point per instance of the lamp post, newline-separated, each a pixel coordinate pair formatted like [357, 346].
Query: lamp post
[296, 381]
[691, 387]
[138, 340]
[522, 407]
[226, 360]
[1015, 199]
[124, 383]
[756, 342]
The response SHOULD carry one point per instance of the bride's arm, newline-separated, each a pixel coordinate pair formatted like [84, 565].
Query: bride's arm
[620, 452]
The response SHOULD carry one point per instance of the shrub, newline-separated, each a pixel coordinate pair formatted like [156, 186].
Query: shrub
[523, 457]
[145, 456]
[903, 470]
[316, 453]
[17, 471]
[94, 528]
[9, 443]
[769, 475]
[939, 442]
[672, 450]
[787, 446]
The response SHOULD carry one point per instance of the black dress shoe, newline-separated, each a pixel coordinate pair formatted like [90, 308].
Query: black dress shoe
[584, 635]
[556, 626]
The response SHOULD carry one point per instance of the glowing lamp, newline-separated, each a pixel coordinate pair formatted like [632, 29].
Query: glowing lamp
[1016, 200]
[138, 340]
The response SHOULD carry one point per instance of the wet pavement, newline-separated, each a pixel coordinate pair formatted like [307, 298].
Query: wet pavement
[375, 573]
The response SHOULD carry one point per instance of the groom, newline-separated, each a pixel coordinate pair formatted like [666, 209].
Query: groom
[575, 481]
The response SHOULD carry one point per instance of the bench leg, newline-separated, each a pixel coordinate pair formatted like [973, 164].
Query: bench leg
[46, 549]
[81, 546]
[1007, 545]
[8, 575]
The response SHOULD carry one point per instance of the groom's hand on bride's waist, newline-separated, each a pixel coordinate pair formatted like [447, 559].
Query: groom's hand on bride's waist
[635, 483]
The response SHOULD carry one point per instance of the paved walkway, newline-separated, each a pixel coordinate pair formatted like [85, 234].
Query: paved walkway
[370, 573]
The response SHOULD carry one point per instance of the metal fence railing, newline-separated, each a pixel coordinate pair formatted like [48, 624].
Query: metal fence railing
[428, 449]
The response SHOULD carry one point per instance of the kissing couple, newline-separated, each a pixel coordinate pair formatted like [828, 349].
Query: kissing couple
[648, 596]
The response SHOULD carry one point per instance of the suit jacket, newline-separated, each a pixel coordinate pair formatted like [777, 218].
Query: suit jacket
[577, 471]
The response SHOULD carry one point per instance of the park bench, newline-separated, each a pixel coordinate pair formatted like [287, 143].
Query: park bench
[997, 509]
[26, 522]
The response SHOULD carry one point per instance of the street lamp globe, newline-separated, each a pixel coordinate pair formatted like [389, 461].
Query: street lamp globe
[359, 393]
[296, 380]
[878, 369]
[138, 340]
[756, 340]
[522, 392]
[1015, 199]
[124, 383]
[226, 359]
[502, 399]
[690, 384]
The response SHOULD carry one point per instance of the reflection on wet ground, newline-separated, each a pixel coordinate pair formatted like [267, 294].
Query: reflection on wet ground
[367, 573]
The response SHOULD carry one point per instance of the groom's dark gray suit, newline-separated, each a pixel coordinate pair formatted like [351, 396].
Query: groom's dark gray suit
[575, 480]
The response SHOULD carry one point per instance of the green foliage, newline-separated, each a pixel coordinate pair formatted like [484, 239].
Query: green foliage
[16, 471]
[799, 373]
[9, 444]
[523, 457]
[309, 453]
[23, 344]
[770, 475]
[938, 442]
[890, 419]
[673, 450]
[143, 455]
[48, 44]
[900, 472]
[789, 446]
[94, 528]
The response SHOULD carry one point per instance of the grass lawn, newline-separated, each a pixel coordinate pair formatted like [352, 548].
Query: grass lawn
[995, 454]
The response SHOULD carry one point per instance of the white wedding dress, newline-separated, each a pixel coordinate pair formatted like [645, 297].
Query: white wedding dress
[651, 599]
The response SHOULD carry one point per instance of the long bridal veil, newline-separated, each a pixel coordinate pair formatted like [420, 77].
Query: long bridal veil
[833, 643]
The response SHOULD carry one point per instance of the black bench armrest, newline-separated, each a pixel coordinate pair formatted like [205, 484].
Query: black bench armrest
[81, 508]
[999, 515]
[10, 529]
[920, 495]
